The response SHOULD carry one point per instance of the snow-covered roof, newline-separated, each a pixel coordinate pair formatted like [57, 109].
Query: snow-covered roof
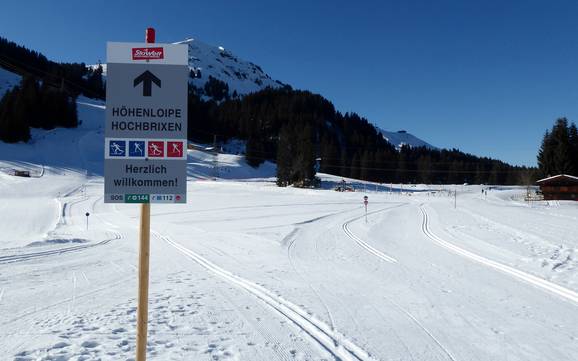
[559, 176]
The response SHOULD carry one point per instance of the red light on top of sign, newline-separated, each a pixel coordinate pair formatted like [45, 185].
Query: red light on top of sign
[148, 53]
[150, 35]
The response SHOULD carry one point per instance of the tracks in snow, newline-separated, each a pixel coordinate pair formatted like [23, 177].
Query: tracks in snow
[537, 282]
[335, 343]
[304, 279]
[64, 215]
[27, 256]
[377, 253]
[390, 259]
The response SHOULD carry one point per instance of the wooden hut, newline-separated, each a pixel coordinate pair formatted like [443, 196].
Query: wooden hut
[559, 187]
[22, 173]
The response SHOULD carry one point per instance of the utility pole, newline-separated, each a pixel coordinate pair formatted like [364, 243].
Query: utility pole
[215, 158]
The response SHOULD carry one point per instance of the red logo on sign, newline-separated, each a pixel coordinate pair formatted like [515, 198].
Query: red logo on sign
[175, 149]
[147, 53]
[156, 149]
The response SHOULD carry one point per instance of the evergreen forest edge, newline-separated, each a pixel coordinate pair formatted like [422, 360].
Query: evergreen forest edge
[300, 131]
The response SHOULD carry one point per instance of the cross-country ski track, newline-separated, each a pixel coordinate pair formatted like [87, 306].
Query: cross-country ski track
[377, 253]
[336, 344]
[537, 282]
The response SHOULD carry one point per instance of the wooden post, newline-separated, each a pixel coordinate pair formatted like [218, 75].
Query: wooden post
[142, 316]
[143, 283]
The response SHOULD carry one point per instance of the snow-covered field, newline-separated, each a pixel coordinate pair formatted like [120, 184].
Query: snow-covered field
[249, 271]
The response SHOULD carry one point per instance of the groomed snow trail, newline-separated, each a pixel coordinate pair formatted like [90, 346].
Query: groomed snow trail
[390, 259]
[548, 286]
[334, 342]
[377, 253]
[27, 256]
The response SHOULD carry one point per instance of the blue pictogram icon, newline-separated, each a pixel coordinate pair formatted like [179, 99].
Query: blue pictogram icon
[136, 148]
[117, 148]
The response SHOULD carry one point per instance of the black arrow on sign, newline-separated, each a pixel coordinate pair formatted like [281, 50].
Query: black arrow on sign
[147, 78]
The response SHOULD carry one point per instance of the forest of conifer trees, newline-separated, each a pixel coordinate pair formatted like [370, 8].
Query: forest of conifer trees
[46, 96]
[31, 105]
[74, 78]
[297, 129]
[300, 131]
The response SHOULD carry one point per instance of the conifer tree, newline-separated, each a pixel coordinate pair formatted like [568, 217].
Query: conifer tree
[557, 154]
[424, 169]
[254, 151]
[365, 165]
[303, 167]
[29, 99]
[13, 126]
[354, 171]
[95, 82]
[573, 134]
[284, 156]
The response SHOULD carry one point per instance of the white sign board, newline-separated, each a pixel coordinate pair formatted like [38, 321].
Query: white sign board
[146, 123]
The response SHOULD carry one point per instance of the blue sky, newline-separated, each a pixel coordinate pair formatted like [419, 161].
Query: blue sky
[487, 77]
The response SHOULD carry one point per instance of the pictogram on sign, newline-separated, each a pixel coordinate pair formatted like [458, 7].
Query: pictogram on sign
[117, 148]
[175, 149]
[136, 148]
[156, 149]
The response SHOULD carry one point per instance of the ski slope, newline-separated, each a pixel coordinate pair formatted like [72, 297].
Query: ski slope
[250, 271]
[8, 80]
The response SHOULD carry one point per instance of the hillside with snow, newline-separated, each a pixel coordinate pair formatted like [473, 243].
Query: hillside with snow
[402, 137]
[242, 77]
[8, 80]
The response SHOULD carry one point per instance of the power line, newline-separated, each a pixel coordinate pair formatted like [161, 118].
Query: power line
[22, 67]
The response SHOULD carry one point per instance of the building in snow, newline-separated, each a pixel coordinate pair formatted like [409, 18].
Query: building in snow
[559, 187]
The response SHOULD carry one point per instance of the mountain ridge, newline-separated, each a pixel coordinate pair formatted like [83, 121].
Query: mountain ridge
[242, 76]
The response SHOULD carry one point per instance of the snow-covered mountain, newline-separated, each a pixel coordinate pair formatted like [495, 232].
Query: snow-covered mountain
[241, 76]
[401, 137]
